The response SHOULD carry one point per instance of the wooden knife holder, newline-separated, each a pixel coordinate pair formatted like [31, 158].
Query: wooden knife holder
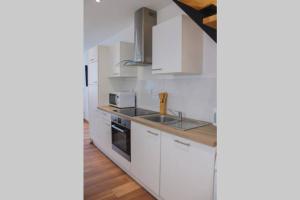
[163, 103]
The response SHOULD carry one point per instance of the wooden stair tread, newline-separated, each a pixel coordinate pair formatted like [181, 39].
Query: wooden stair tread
[199, 4]
[211, 21]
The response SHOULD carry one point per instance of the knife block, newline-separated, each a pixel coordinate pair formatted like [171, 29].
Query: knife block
[163, 103]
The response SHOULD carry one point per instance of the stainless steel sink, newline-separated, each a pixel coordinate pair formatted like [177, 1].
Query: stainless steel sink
[187, 124]
[184, 124]
[161, 118]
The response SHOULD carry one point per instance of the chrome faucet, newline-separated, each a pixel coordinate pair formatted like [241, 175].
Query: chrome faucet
[179, 114]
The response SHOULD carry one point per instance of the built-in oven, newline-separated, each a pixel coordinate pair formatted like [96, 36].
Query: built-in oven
[120, 130]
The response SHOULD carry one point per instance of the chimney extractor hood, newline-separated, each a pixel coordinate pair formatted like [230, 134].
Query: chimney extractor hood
[144, 20]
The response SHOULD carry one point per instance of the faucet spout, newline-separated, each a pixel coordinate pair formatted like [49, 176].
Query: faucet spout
[179, 114]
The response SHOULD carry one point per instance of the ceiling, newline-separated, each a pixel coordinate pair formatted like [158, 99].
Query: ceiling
[101, 20]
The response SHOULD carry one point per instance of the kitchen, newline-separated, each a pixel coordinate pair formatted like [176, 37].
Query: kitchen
[135, 77]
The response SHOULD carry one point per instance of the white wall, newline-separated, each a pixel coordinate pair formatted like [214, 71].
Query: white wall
[195, 95]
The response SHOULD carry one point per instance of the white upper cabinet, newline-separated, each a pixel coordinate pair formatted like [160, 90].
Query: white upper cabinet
[119, 53]
[177, 47]
[93, 73]
[145, 155]
[93, 54]
[187, 169]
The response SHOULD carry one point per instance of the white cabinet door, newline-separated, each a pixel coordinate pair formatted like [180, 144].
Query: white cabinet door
[98, 135]
[102, 138]
[119, 52]
[93, 54]
[114, 52]
[93, 73]
[166, 49]
[93, 99]
[92, 108]
[187, 169]
[106, 133]
[145, 155]
[92, 126]
[177, 46]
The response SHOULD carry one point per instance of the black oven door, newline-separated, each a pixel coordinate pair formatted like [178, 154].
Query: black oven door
[121, 140]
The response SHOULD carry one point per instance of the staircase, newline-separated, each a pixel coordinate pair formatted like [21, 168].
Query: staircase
[203, 12]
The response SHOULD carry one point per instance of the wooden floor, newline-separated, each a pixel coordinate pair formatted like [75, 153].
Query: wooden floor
[104, 180]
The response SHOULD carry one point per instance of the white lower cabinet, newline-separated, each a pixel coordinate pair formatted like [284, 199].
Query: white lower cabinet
[102, 138]
[145, 155]
[168, 166]
[187, 169]
[92, 109]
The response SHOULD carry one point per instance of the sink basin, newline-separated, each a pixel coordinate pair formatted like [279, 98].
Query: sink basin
[188, 124]
[185, 124]
[161, 118]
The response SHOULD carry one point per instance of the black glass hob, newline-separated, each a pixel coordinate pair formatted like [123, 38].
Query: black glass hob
[132, 112]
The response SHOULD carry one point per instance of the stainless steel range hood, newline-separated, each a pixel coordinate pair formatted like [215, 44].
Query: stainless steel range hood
[144, 20]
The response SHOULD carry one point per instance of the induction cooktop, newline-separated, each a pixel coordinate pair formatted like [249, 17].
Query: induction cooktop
[132, 112]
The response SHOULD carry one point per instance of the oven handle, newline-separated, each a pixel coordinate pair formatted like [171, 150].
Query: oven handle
[113, 126]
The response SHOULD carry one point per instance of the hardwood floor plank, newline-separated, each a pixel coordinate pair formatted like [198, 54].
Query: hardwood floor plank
[139, 194]
[125, 189]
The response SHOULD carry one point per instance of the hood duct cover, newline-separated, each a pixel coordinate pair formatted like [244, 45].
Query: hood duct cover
[144, 20]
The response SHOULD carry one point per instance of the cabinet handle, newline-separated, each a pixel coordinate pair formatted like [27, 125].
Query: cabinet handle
[186, 144]
[118, 129]
[156, 134]
[157, 69]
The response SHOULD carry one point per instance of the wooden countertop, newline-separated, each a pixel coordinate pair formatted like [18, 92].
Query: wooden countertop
[205, 134]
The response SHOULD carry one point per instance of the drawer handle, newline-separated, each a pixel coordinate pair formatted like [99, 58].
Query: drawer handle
[156, 134]
[157, 69]
[186, 144]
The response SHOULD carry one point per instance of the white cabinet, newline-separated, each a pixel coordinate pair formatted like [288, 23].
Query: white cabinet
[187, 169]
[145, 155]
[93, 55]
[92, 108]
[118, 54]
[177, 47]
[93, 99]
[102, 138]
[93, 73]
[98, 82]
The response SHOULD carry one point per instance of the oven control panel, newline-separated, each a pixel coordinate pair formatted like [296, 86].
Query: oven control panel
[121, 121]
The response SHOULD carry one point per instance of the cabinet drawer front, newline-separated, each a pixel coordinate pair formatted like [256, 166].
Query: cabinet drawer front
[106, 115]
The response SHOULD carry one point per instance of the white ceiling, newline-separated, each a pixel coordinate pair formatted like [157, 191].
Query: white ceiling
[102, 20]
